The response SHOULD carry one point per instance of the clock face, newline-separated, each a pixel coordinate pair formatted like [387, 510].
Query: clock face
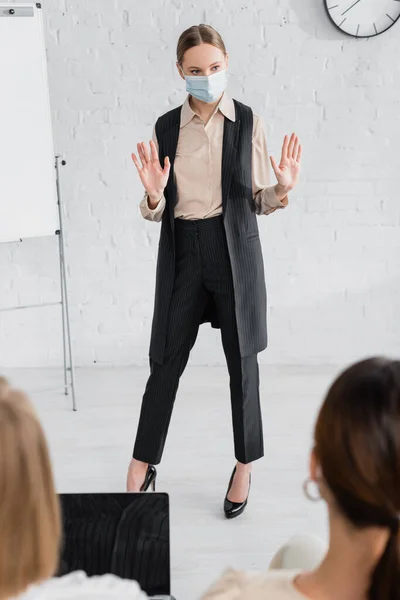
[363, 18]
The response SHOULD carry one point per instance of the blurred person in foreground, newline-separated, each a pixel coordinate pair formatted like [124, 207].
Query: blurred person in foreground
[30, 523]
[355, 469]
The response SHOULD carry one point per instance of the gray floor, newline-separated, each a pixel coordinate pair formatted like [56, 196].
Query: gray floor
[91, 450]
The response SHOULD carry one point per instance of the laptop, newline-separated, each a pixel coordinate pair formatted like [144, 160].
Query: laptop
[123, 534]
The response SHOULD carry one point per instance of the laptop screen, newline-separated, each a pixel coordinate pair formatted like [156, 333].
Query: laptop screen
[123, 534]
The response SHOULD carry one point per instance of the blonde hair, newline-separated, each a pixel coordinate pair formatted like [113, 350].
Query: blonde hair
[196, 35]
[29, 509]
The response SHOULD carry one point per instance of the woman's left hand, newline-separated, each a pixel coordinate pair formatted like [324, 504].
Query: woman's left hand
[288, 170]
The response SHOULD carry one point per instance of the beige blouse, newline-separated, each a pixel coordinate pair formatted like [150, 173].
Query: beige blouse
[198, 161]
[273, 585]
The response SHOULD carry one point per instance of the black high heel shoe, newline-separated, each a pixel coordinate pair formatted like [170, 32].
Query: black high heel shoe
[234, 509]
[150, 479]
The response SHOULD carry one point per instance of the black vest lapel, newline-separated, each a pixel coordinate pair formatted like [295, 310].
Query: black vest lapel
[229, 149]
[167, 131]
[171, 143]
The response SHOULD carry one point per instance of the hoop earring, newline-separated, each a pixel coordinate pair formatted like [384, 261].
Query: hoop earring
[306, 490]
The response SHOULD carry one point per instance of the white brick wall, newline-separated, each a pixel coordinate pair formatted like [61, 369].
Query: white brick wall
[332, 258]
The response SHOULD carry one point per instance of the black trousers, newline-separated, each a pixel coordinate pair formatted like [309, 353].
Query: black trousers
[202, 270]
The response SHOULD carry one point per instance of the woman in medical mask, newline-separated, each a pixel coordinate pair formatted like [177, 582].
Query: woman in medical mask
[206, 176]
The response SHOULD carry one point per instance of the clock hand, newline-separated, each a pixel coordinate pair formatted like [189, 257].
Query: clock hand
[350, 7]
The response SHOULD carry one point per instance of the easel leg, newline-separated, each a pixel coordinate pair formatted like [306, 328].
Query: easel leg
[66, 384]
[67, 345]
[67, 326]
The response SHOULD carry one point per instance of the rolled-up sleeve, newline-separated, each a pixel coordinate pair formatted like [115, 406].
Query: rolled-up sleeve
[147, 213]
[150, 214]
[264, 195]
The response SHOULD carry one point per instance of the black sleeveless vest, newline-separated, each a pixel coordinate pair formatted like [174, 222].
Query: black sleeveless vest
[241, 230]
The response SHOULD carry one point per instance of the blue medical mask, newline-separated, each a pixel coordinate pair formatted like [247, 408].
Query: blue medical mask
[207, 88]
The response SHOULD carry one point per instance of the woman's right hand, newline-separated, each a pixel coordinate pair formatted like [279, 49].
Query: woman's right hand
[152, 175]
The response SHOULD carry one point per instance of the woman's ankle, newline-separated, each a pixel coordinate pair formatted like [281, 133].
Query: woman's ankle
[139, 465]
[243, 468]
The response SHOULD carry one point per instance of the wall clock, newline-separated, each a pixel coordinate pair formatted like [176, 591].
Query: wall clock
[363, 18]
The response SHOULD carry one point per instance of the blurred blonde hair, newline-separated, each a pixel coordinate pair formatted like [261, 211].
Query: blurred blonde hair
[30, 527]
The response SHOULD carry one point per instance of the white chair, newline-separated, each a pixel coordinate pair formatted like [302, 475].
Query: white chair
[303, 552]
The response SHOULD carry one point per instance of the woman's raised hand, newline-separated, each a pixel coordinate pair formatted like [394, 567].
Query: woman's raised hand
[153, 176]
[288, 170]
